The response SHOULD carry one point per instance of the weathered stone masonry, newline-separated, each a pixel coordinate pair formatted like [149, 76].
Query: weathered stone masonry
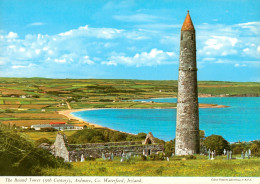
[73, 152]
[187, 124]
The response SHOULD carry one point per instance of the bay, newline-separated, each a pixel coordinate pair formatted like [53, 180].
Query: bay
[239, 122]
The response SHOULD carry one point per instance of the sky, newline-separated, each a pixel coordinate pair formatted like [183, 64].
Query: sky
[132, 39]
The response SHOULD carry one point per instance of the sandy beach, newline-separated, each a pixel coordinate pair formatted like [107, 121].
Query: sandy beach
[70, 116]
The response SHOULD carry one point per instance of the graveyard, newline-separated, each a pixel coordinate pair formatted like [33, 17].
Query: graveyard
[174, 166]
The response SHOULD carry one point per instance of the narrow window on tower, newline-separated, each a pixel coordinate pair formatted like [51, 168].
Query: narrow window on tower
[192, 36]
[181, 36]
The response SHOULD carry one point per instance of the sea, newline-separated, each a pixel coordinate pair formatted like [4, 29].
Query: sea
[238, 122]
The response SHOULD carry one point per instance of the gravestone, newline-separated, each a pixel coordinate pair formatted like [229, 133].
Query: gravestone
[103, 156]
[82, 159]
[246, 155]
[112, 156]
[242, 155]
[227, 155]
[230, 155]
[209, 154]
[212, 155]
[225, 151]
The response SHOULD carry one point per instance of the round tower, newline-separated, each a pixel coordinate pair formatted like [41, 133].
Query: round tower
[187, 124]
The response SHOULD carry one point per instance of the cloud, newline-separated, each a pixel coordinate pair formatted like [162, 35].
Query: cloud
[153, 58]
[37, 24]
[85, 31]
[219, 46]
[240, 65]
[19, 66]
[12, 35]
[87, 47]
[136, 18]
[253, 27]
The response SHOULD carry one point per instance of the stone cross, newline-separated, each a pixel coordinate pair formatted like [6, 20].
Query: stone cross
[82, 159]
[225, 151]
[212, 155]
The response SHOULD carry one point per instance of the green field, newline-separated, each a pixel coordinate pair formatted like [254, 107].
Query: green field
[42, 95]
[175, 167]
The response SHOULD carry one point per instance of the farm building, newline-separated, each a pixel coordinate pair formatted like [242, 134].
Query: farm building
[57, 126]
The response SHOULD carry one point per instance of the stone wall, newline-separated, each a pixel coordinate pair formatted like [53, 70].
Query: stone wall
[75, 152]
[59, 148]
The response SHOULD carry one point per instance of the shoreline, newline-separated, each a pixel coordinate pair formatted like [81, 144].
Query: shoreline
[70, 116]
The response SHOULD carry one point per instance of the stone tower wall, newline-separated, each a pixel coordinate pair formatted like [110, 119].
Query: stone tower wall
[187, 125]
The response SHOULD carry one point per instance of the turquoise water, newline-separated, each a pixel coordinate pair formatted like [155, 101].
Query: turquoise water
[240, 121]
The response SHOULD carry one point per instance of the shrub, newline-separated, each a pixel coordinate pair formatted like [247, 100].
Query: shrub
[160, 170]
[102, 169]
[42, 140]
[190, 157]
[158, 156]
[217, 143]
[18, 157]
[169, 148]
[237, 149]
[143, 158]
[255, 150]
[48, 129]
[90, 159]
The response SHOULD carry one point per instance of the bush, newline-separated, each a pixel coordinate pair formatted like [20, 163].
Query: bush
[237, 150]
[255, 150]
[217, 143]
[143, 158]
[160, 170]
[42, 140]
[90, 159]
[169, 148]
[48, 129]
[190, 157]
[102, 169]
[18, 157]
[158, 156]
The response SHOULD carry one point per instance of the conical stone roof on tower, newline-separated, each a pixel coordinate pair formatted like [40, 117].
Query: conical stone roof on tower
[187, 24]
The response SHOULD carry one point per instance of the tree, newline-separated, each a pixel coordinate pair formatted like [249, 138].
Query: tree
[169, 148]
[217, 143]
[255, 149]
[18, 157]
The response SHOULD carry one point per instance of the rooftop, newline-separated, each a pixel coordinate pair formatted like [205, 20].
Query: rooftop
[187, 24]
